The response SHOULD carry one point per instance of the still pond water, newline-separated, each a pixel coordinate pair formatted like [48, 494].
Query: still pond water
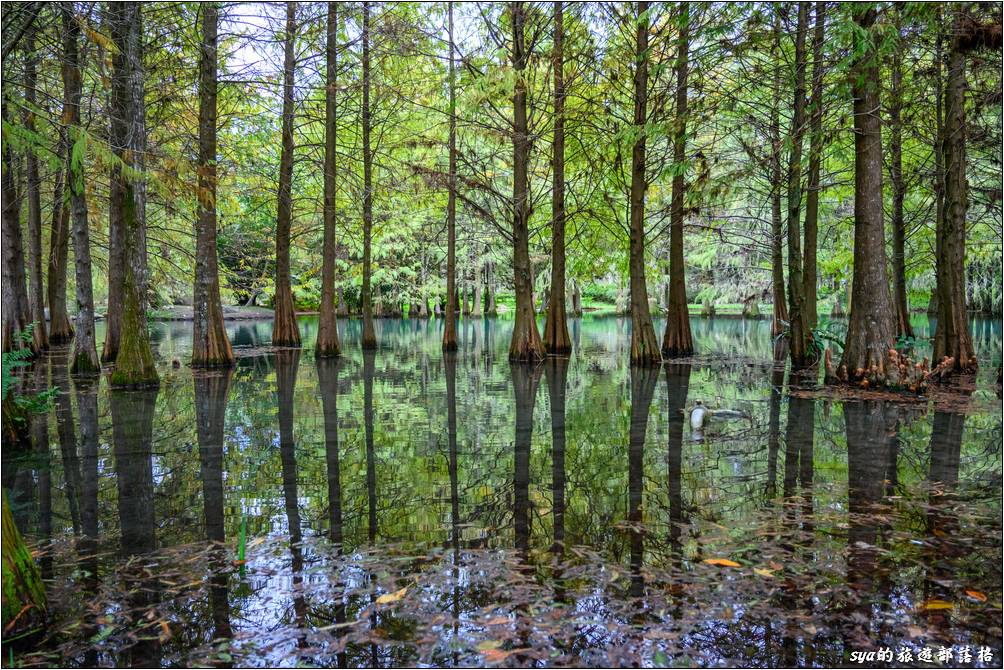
[402, 508]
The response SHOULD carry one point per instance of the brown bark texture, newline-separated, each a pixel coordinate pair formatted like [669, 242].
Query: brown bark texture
[369, 340]
[327, 327]
[871, 327]
[813, 187]
[84, 358]
[285, 332]
[134, 365]
[556, 340]
[60, 327]
[210, 344]
[36, 287]
[644, 349]
[776, 228]
[450, 313]
[800, 333]
[525, 344]
[677, 339]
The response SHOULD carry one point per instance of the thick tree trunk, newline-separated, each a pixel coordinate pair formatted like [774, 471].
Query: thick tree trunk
[643, 381]
[677, 339]
[800, 331]
[450, 316]
[809, 269]
[84, 359]
[36, 287]
[285, 331]
[60, 328]
[903, 327]
[526, 344]
[134, 365]
[951, 336]
[556, 340]
[327, 327]
[644, 349]
[776, 228]
[871, 327]
[210, 344]
[369, 340]
[16, 314]
[113, 306]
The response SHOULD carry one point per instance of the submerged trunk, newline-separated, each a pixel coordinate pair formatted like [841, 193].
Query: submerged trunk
[951, 336]
[644, 350]
[36, 288]
[450, 322]
[210, 344]
[776, 229]
[809, 270]
[871, 328]
[525, 344]
[903, 327]
[800, 332]
[60, 329]
[134, 364]
[677, 339]
[556, 339]
[84, 359]
[285, 332]
[576, 299]
[327, 326]
[369, 333]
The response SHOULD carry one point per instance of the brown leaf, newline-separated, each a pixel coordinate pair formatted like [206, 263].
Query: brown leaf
[976, 595]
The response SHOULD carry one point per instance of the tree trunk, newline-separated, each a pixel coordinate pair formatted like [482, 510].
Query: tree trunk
[951, 335]
[84, 359]
[871, 327]
[556, 340]
[491, 308]
[60, 329]
[113, 306]
[777, 242]
[809, 269]
[576, 299]
[369, 340]
[210, 344]
[644, 350]
[134, 365]
[525, 380]
[450, 323]
[285, 331]
[903, 327]
[800, 332]
[36, 288]
[526, 344]
[327, 327]
[478, 298]
[16, 314]
[24, 601]
[677, 339]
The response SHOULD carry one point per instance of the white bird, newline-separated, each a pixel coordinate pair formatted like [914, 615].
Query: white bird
[697, 416]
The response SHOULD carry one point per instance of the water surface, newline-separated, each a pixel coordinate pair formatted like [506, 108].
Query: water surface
[402, 507]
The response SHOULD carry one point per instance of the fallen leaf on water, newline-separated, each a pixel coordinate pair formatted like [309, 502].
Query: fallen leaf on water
[391, 597]
[914, 631]
[498, 621]
[763, 572]
[488, 645]
[936, 604]
[497, 655]
[976, 595]
[722, 562]
[774, 565]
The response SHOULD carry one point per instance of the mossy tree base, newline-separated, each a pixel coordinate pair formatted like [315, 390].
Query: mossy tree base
[24, 601]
